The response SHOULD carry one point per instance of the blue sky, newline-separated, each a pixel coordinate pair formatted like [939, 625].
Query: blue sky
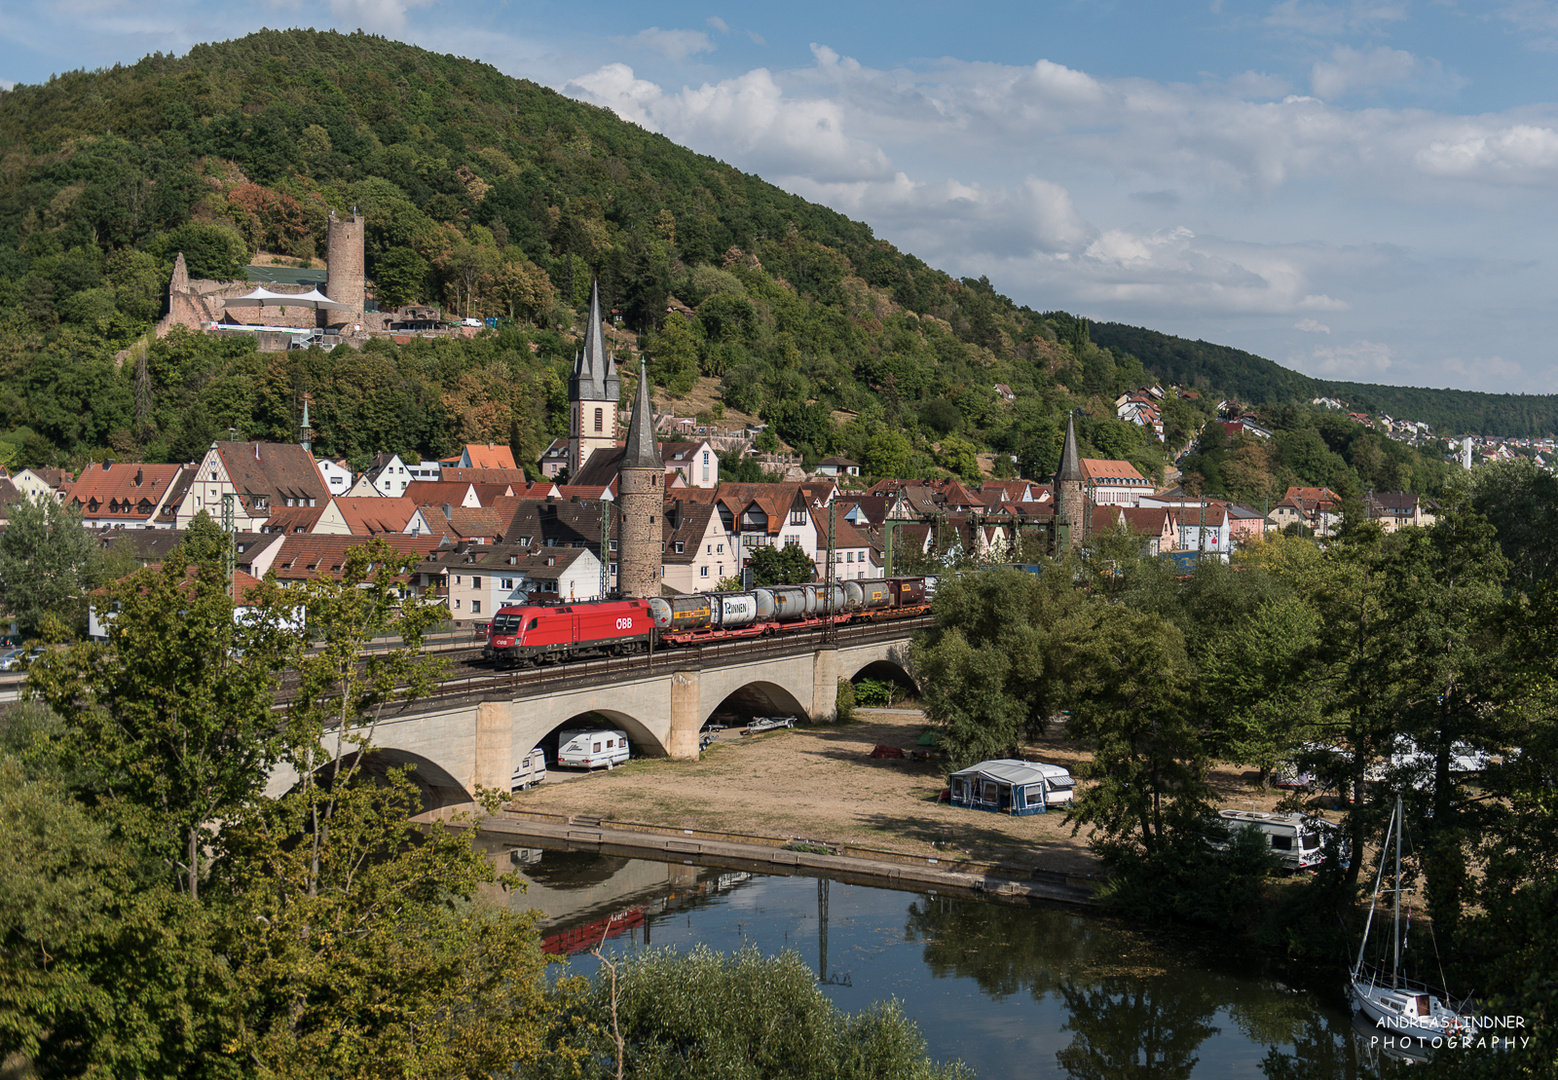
[1358, 190]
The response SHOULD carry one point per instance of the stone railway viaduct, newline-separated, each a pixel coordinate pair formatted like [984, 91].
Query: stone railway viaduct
[461, 741]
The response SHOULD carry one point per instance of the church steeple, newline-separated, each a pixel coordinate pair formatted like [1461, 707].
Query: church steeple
[594, 389]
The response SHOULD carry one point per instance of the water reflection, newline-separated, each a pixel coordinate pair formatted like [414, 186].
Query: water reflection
[1129, 1026]
[1037, 991]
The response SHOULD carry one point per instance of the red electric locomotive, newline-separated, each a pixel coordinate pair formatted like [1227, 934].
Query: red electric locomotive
[548, 635]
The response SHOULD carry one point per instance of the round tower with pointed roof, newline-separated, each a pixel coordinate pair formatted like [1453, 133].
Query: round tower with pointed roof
[594, 390]
[641, 496]
[1071, 487]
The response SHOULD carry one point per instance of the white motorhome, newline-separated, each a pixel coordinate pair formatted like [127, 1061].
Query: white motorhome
[592, 749]
[530, 771]
[1298, 839]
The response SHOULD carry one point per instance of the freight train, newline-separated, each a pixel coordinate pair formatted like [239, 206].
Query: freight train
[536, 634]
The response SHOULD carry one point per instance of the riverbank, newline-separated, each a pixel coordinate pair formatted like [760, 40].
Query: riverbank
[816, 785]
[772, 855]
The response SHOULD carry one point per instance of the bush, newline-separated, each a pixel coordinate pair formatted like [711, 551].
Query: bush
[740, 1017]
[844, 710]
[874, 692]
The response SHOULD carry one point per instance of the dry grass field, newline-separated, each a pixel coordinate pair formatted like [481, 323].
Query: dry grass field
[818, 783]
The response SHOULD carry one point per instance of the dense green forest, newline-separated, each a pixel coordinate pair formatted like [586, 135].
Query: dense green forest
[493, 196]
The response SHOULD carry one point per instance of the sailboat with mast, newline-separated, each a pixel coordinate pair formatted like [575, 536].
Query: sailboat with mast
[1404, 1006]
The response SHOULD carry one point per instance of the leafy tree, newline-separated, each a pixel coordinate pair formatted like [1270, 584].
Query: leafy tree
[1521, 502]
[46, 561]
[324, 932]
[788, 565]
[173, 717]
[1259, 684]
[1447, 681]
[990, 665]
[673, 356]
[1129, 679]
[743, 1016]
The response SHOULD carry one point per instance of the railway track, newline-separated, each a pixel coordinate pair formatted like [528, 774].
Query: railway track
[469, 675]
[480, 679]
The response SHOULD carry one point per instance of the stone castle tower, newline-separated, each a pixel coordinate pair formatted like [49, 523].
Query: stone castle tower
[641, 496]
[1071, 488]
[346, 271]
[594, 390]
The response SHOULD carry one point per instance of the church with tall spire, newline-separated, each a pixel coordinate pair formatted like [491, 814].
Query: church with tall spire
[594, 390]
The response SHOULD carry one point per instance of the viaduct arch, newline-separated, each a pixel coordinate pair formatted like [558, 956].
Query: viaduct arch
[458, 747]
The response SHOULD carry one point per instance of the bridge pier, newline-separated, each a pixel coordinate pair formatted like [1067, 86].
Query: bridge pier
[686, 715]
[492, 765]
[824, 684]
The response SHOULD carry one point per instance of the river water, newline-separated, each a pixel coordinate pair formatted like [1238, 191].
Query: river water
[1048, 991]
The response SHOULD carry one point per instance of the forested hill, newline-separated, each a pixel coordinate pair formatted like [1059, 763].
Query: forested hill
[1254, 379]
[492, 196]
[1207, 367]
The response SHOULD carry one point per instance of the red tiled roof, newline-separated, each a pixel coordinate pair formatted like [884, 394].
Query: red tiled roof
[483, 475]
[1107, 470]
[309, 556]
[370, 515]
[125, 491]
[490, 456]
[277, 470]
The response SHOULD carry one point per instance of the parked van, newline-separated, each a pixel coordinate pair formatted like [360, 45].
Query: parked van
[1298, 839]
[530, 771]
[592, 749]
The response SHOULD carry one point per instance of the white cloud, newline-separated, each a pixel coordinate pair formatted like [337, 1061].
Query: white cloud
[1524, 153]
[775, 135]
[378, 16]
[1309, 326]
[1350, 71]
[716, 23]
[1361, 361]
[1482, 368]
[673, 45]
[756, 38]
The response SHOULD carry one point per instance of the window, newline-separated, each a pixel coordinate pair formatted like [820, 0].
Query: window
[475, 582]
[613, 569]
[710, 550]
[611, 545]
[797, 517]
[457, 579]
[849, 556]
[703, 571]
[457, 604]
[680, 547]
[475, 607]
[596, 750]
[508, 583]
[600, 419]
[719, 549]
